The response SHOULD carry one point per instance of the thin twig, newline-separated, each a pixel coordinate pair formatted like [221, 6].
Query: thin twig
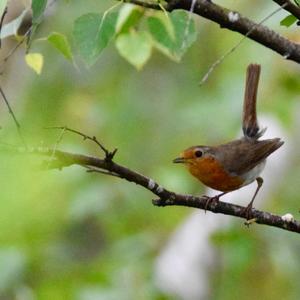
[226, 54]
[13, 49]
[1, 22]
[186, 30]
[13, 116]
[97, 170]
[56, 145]
[9, 108]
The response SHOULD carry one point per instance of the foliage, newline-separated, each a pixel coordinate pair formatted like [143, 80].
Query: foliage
[171, 34]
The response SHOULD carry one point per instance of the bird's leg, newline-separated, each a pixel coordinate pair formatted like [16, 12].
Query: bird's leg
[248, 209]
[214, 198]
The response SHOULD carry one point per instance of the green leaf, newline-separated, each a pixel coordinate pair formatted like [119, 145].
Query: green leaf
[38, 7]
[185, 30]
[92, 33]
[60, 42]
[129, 15]
[135, 47]
[3, 4]
[11, 28]
[35, 61]
[288, 21]
[164, 41]
[297, 2]
[174, 35]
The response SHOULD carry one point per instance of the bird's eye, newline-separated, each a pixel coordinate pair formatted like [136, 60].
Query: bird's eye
[198, 153]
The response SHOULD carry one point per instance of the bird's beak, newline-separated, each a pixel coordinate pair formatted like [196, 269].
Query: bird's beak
[179, 160]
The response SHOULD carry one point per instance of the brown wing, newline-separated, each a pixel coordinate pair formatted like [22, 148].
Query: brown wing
[243, 155]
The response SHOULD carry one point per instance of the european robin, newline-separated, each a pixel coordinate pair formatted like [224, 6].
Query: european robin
[230, 166]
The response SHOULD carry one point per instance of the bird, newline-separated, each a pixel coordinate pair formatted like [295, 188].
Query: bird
[230, 166]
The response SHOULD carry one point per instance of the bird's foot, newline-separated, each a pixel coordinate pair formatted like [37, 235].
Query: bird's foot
[247, 212]
[209, 200]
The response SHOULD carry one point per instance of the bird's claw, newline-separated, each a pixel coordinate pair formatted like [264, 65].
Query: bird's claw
[209, 200]
[247, 213]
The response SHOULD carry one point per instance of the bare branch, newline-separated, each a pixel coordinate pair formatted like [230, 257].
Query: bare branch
[166, 197]
[222, 16]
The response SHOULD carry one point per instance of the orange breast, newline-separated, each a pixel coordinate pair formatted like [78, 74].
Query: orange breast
[210, 172]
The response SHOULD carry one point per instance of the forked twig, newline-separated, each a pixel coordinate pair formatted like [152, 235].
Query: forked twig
[109, 155]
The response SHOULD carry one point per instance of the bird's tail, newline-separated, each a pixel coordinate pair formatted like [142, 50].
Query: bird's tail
[250, 125]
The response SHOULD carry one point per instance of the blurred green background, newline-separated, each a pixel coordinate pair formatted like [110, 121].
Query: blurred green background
[72, 235]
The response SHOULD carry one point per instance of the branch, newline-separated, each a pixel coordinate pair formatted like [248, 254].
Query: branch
[60, 159]
[224, 17]
[290, 7]
[143, 4]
